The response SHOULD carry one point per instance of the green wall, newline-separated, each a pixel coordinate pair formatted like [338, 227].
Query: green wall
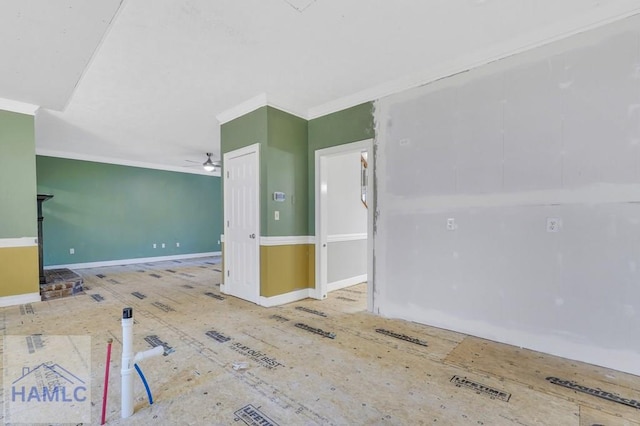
[287, 158]
[287, 164]
[18, 205]
[111, 212]
[287, 172]
[247, 130]
[283, 161]
[350, 125]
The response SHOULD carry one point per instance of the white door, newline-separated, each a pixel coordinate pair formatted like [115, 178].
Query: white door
[242, 223]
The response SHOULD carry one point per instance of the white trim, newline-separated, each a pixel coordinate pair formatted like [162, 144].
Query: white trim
[548, 35]
[338, 238]
[18, 242]
[123, 162]
[19, 299]
[250, 149]
[242, 108]
[133, 261]
[290, 240]
[347, 282]
[17, 106]
[278, 104]
[281, 299]
[253, 104]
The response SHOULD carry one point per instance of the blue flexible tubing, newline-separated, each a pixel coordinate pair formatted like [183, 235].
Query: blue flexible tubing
[146, 385]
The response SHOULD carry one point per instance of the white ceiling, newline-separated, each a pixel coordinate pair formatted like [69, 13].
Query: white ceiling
[142, 81]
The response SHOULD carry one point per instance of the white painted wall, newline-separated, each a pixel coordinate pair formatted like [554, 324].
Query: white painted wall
[346, 222]
[550, 133]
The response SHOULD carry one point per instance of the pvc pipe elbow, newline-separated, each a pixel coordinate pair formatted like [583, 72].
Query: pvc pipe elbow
[158, 350]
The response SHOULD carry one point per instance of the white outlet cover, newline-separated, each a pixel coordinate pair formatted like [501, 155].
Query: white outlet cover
[177, 244]
[154, 245]
[72, 251]
[554, 224]
[451, 224]
[163, 245]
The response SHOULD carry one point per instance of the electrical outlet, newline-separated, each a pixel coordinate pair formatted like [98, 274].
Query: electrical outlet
[154, 245]
[72, 251]
[276, 215]
[163, 245]
[177, 244]
[451, 224]
[554, 224]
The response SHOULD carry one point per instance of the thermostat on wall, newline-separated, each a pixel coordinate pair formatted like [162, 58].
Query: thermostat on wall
[278, 196]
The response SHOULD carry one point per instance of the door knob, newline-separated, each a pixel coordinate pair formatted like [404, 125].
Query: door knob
[252, 236]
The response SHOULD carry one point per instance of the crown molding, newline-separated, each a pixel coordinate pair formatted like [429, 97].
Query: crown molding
[253, 104]
[243, 108]
[17, 106]
[122, 162]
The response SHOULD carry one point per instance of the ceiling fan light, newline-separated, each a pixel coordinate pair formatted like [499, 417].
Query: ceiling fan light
[208, 165]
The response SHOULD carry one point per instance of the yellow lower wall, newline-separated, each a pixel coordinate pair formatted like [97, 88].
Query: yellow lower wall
[19, 271]
[286, 268]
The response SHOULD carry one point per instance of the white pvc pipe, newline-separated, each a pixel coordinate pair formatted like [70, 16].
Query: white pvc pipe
[128, 361]
[158, 350]
[126, 371]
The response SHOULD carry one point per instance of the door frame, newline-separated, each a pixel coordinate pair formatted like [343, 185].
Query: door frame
[247, 150]
[321, 156]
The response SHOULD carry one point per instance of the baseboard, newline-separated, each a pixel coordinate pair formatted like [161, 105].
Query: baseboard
[348, 282]
[133, 261]
[282, 299]
[19, 299]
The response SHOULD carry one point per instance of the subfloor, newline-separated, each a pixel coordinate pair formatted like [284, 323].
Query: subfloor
[310, 362]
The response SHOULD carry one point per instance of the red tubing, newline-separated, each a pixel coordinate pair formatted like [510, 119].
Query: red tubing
[106, 381]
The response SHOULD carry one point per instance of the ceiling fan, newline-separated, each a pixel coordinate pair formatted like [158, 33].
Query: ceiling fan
[208, 165]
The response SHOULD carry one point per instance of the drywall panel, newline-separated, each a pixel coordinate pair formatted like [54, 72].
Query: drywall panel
[421, 134]
[509, 202]
[602, 105]
[478, 110]
[533, 125]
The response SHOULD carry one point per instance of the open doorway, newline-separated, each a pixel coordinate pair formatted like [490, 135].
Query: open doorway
[344, 218]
